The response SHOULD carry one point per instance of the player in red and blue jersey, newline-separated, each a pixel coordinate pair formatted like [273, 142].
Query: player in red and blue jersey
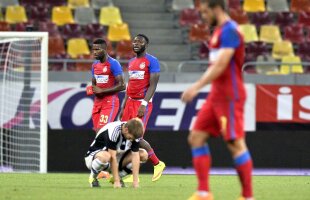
[222, 112]
[107, 81]
[143, 78]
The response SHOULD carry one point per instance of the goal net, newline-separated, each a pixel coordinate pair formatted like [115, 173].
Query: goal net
[23, 101]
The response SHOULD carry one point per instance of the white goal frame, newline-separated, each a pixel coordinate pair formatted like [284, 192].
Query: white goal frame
[11, 36]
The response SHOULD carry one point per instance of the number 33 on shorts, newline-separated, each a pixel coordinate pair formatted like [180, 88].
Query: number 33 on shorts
[104, 118]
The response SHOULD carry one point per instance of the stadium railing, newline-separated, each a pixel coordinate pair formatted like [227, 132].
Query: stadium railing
[66, 62]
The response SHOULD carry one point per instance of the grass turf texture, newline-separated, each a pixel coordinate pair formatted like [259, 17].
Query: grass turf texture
[175, 187]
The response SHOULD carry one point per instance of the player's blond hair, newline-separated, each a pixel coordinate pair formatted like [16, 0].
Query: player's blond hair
[135, 127]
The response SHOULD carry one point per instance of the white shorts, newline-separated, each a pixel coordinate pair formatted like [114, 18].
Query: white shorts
[89, 159]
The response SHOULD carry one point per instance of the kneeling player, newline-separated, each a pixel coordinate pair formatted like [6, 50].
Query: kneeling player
[107, 151]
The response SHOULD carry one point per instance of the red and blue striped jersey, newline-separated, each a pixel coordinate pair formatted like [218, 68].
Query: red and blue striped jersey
[140, 70]
[229, 85]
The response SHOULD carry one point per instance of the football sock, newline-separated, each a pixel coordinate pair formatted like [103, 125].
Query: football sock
[202, 164]
[152, 156]
[97, 166]
[126, 170]
[244, 166]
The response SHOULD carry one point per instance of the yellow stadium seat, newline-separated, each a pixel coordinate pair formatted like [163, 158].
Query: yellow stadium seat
[281, 49]
[270, 34]
[249, 32]
[1, 16]
[78, 3]
[254, 5]
[62, 15]
[15, 14]
[77, 46]
[110, 15]
[295, 68]
[118, 32]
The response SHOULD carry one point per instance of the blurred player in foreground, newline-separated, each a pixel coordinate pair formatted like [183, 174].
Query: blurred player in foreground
[116, 148]
[107, 81]
[143, 78]
[222, 112]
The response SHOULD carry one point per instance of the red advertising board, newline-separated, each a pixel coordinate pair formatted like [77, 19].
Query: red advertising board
[283, 103]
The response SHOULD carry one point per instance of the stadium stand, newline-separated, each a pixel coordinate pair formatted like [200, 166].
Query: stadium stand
[179, 5]
[124, 50]
[110, 15]
[84, 15]
[97, 4]
[77, 47]
[261, 18]
[304, 19]
[270, 34]
[254, 5]
[281, 49]
[284, 19]
[15, 14]
[239, 15]
[72, 31]
[277, 6]
[62, 15]
[296, 68]
[294, 33]
[300, 5]
[118, 32]
[78, 3]
[199, 33]
[234, 4]
[93, 31]
[4, 26]
[249, 32]
[6, 3]
[189, 17]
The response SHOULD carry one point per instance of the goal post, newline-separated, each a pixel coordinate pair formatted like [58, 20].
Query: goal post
[23, 101]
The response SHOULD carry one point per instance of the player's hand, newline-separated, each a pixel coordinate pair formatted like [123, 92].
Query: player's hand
[189, 94]
[141, 111]
[117, 184]
[97, 90]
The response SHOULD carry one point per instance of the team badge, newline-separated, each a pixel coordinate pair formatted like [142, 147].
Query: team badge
[104, 69]
[142, 65]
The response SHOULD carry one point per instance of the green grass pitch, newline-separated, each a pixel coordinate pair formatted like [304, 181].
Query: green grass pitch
[64, 186]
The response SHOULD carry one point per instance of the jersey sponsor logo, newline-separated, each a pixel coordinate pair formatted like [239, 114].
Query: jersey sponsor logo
[136, 74]
[142, 65]
[102, 78]
[213, 55]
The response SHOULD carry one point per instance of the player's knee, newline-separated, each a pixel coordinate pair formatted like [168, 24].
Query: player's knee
[237, 146]
[143, 155]
[196, 139]
[103, 156]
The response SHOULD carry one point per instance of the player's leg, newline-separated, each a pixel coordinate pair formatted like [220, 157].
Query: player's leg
[108, 111]
[97, 162]
[243, 164]
[235, 138]
[204, 125]
[96, 117]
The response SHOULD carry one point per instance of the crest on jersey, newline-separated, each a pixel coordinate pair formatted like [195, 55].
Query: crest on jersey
[104, 69]
[142, 65]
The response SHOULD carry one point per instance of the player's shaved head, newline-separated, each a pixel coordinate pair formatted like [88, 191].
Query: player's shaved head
[101, 42]
[215, 3]
[143, 36]
[135, 127]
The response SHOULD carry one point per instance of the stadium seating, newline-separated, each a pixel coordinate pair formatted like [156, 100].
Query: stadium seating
[72, 31]
[56, 47]
[78, 3]
[178, 5]
[49, 27]
[249, 32]
[254, 5]
[22, 26]
[304, 19]
[239, 16]
[5, 3]
[189, 17]
[4, 26]
[15, 14]
[82, 66]
[94, 31]
[300, 5]
[255, 49]
[76, 47]
[1, 16]
[84, 16]
[281, 49]
[266, 69]
[31, 3]
[97, 4]
[110, 15]
[270, 34]
[62, 15]
[199, 33]
[261, 18]
[303, 51]
[124, 50]
[54, 3]
[294, 33]
[203, 50]
[277, 6]
[118, 32]
[284, 19]
[234, 4]
[295, 68]
[38, 13]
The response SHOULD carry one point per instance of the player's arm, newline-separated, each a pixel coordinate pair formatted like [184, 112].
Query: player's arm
[114, 168]
[135, 168]
[119, 86]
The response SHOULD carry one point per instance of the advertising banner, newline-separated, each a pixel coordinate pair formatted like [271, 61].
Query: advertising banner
[283, 103]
